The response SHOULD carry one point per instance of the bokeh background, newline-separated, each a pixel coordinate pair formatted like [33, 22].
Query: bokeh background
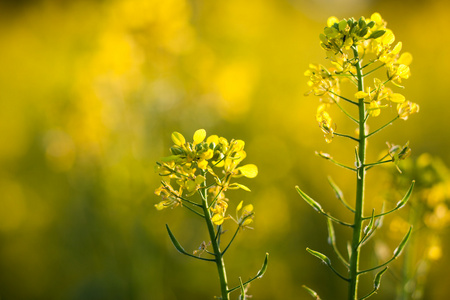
[90, 92]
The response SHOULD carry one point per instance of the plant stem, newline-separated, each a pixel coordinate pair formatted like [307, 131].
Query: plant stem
[360, 182]
[215, 244]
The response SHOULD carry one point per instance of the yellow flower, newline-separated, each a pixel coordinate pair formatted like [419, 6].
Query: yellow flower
[325, 123]
[189, 164]
[407, 108]
[219, 210]
[244, 215]
[322, 82]
[170, 197]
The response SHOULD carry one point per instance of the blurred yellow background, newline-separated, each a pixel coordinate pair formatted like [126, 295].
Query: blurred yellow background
[90, 92]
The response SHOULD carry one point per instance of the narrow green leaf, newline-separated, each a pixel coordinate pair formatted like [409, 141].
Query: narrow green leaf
[181, 249]
[309, 200]
[402, 245]
[261, 272]
[405, 199]
[311, 292]
[175, 242]
[320, 256]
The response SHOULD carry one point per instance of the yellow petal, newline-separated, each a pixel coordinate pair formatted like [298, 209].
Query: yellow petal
[199, 136]
[405, 59]
[178, 139]
[160, 205]
[247, 222]
[199, 179]
[191, 186]
[332, 20]
[203, 164]
[238, 208]
[397, 98]
[247, 209]
[388, 38]
[217, 219]
[249, 171]
[376, 17]
[212, 139]
[374, 109]
[397, 48]
[360, 95]
[403, 71]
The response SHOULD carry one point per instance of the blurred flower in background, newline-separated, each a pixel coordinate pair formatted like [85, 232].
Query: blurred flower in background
[89, 91]
[428, 213]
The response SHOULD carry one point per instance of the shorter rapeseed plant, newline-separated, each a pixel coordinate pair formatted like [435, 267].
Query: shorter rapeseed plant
[428, 211]
[356, 50]
[207, 167]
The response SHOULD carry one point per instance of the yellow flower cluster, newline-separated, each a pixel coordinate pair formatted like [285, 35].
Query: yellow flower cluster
[347, 42]
[192, 163]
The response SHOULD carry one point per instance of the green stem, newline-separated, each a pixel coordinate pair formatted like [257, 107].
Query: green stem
[360, 182]
[384, 126]
[215, 244]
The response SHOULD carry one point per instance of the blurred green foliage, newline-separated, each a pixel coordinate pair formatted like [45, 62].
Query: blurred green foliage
[90, 92]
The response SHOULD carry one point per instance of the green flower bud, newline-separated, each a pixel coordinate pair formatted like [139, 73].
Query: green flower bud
[177, 150]
[362, 22]
[371, 24]
[363, 31]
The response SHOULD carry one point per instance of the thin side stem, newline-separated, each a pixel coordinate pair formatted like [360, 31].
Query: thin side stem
[343, 98]
[382, 127]
[346, 136]
[345, 112]
[373, 70]
[215, 244]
